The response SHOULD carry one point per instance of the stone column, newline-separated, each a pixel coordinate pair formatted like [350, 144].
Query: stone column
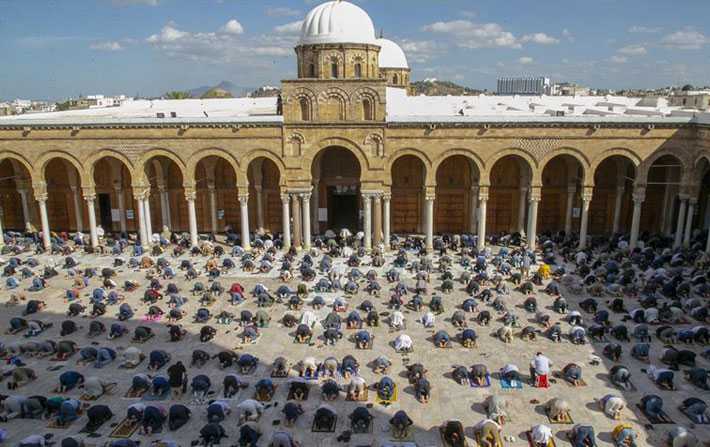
[90, 199]
[143, 235]
[482, 209]
[190, 196]
[314, 207]
[681, 220]
[473, 212]
[42, 201]
[259, 206]
[26, 214]
[386, 219]
[78, 214]
[121, 208]
[377, 218]
[165, 207]
[689, 221]
[430, 222]
[584, 225]
[148, 217]
[571, 191]
[638, 197]
[296, 213]
[367, 220]
[532, 217]
[617, 209]
[213, 206]
[285, 222]
[244, 214]
[306, 214]
[521, 209]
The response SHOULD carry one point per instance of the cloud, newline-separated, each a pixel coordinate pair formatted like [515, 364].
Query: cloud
[224, 46]
[687, 39]
[282, 12]
[619, 59]
[107, 46]
[135, 2]
[468, 34]
[540, 38]
[633, 50]
[525, 60]
[644, 29]
[472, 35]
[232, 27]
[289, 28]
[567, 34]
[420, 51]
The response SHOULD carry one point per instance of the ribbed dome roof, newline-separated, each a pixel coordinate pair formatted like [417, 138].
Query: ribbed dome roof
[391, 55]
[337, 22]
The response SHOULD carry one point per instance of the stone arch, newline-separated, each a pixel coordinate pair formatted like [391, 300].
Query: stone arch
[622, 152]
[258, 153]
[211, 152]
[587, 175]
[95, 157]
[498, 155]
[41, 165]
[11, 155]
[470, 155]
[343, 103]
[421, 155]
[139, 177]
[646, 164]
[325, 143]
[310, 97]
[456, 176]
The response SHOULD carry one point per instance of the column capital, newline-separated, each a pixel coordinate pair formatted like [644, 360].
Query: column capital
[190, 195]
[41, 196]
[483, 193]
[571, 189]
[474, 189]
[377, 197]
[683, 196]
[40, 188]
[535, 193]
[243, 198]
[693, 201]
[91, 197]
[387, 196]
[639, 194]
[118, 188]
[89, 192]
[305, 195]
[258, 188]
[285, 198]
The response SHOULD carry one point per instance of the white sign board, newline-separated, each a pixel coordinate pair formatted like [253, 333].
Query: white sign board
[576, 212]
[115, 215]
[129, 214]
[220, 214]
[322, 214]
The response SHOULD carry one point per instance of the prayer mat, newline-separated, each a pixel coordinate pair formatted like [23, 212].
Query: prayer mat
[151, 397]
[478, 441]
[330, 429]
[273, 392]
[124, 429]
[125, 366]
[308, 340]
[550, 443]
[88, 397]
[390, 401]
[567, 419]
[279, 374]
[134, 394]
[360, 430]
[305, 396]
[511, 384]
[406, 439]
[581, 383]
[694, 421]
[93, 428]
[663, 418]
[312, 376]
[54, 423]
[362, 398]
[486, 383]
[144, 340]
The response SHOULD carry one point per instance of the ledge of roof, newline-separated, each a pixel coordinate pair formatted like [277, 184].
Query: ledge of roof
[542, 120]
[113, 122]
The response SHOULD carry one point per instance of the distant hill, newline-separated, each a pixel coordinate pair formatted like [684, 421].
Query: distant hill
[234, 90]
[217, 92]
[435, 87]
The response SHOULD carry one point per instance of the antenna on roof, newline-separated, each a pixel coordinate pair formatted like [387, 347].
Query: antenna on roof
[382, 33]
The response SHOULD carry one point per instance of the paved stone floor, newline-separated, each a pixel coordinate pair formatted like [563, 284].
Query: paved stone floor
[449, 401]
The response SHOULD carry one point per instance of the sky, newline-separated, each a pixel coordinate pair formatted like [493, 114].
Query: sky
[52, 49]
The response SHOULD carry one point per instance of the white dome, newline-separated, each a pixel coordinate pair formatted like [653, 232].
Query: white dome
[391, 55]
[337, 22]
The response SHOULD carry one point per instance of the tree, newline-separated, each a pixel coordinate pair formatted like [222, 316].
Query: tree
[687, 87]
[178, 95]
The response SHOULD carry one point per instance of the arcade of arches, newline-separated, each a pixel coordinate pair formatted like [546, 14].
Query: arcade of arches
[307, 190]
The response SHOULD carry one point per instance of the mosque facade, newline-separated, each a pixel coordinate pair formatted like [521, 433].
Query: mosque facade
[346, 146]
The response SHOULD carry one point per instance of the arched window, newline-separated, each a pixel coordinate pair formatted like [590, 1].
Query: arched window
[358, 70]
[305, 109]
[334, 70]
[312, 71]
[395, 79]
[367, 112]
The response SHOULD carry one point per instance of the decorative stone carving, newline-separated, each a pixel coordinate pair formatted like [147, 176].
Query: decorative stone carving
[376, 144]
